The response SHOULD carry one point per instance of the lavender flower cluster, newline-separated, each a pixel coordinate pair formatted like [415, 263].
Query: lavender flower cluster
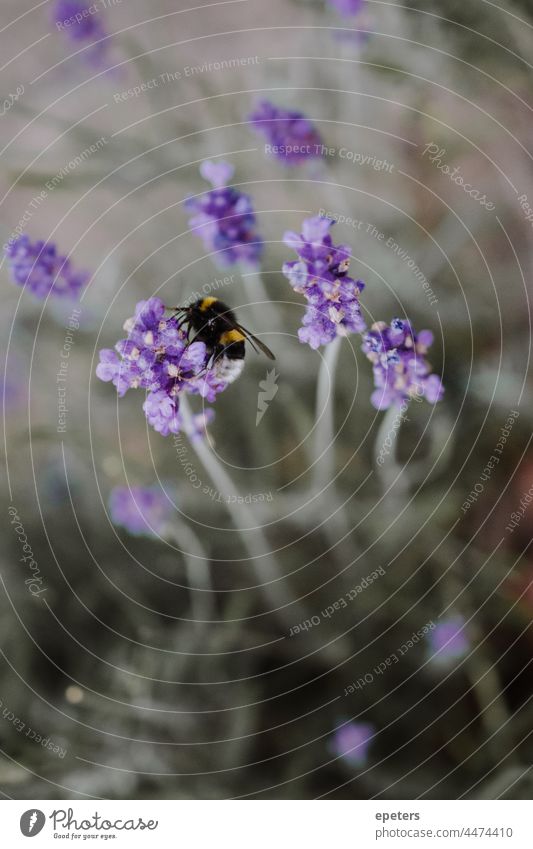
[224, 218]
[81, 22]
[348, 7]
[449, 641]
[291, 136]
[396, 352]
[401, 371]
[321, 275]
[141, 510]
[42, 269]
[156, 356]
[351, 742]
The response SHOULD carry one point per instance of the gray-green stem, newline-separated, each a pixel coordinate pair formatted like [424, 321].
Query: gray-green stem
[271, 580]
[324, 453]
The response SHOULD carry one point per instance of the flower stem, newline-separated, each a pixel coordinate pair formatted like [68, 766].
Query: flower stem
[192, 635]
[197, 567]
[252, 536]
[393, 476]
[324, 453]
[482, 672]
[337, 528]
[272, 582]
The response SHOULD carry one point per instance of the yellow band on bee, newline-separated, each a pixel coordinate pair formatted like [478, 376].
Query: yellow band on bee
[231, 336]
[206, 303]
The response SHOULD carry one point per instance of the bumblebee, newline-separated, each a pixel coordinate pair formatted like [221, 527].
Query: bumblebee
[215, 325]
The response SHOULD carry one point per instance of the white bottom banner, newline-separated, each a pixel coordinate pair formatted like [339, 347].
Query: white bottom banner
[264, 824]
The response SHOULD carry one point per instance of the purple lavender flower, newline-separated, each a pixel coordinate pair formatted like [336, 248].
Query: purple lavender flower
[224, 218]
[199, 423]
[157, 357]
[82, 22]
[401, 370]
[361, 18]
[11, 392]
[42, 269]
[143, 511]
[161, 409]
[291, 135]
[348, 7]
[321, 275]
[448, 641]
[352, 740]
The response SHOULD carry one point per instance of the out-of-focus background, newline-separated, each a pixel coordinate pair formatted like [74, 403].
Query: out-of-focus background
[175, 664]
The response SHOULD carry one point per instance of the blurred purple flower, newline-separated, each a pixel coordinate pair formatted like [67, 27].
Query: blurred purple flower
[348, 7]
[357, 14]
[290, 133]
[321, 275]
[448, 640]
[162, 412]
[81, 21]
[224, 218]
[42, 269]
[12, 391]
[199, 423]
[141, 510]
[401, 370]
[157, 357]
[352, 740]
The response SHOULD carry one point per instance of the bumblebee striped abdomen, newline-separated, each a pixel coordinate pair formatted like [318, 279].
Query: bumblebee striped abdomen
[230, 362]
[233, 340]
[227, 368]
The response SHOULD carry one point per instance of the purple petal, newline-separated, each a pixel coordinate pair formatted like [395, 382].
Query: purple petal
[217, 173]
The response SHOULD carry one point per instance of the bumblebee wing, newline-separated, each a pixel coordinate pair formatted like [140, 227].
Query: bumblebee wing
[254, 341]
